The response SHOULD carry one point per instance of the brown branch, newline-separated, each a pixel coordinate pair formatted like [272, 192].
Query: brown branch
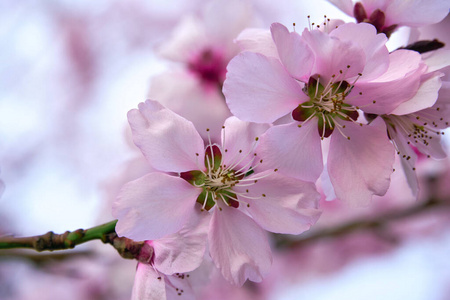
[106, 233]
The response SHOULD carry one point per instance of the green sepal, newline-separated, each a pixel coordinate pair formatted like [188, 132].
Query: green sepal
[209, 200]
[216, 157]
[196, 178]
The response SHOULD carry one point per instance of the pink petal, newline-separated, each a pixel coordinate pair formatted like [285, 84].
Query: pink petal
[416, 12]
[371, 5]
[437, 60]
[401, 63]
[344, 5]
[178, 287]
[147, 285]
[425, 97]
[325, 185]
[238, 246]
[407, 158]
[398, 84]
[294, 53]
[168, 141]
[295, 151]
[234, 15]
[288, 205]
[239, 139]
[154, 206]
[187, 38]
[257, 40]
[333, 56]
[258, 88]
[204, 106]
[182, 251]
[373, 45]
[360, 167]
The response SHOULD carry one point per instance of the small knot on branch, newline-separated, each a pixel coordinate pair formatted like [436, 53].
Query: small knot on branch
[128, 248]
[51, 241]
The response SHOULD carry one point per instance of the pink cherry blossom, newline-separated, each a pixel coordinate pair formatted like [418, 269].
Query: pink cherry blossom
[321, 80]
[387, 15]
[162, 273]
[420, 130]
[226, 183]
[201, 45]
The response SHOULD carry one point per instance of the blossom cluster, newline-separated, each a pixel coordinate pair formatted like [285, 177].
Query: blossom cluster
[329, 107]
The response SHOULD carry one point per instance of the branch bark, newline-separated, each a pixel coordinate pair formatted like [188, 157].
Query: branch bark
[106, 233]
[51, 241]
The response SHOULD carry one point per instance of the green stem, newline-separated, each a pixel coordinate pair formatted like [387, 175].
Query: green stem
[106, 233]
[51, 241]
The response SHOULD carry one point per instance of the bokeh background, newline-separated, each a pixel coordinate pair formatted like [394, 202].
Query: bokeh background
[69, 73]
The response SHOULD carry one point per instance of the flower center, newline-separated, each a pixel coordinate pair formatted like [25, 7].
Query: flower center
[327, 102]
[377, 18]
[227, 183]
[209, 65]
[419, 129]
[217, 180]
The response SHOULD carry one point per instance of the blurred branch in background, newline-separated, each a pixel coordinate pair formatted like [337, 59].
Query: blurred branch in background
[372, 223]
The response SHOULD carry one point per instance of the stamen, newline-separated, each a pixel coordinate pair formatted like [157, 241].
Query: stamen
[206, 200]
[233, 165]
[200, 167]
[254, 178]
[238, 200]
[338, 127]
[222, 147]
[223, 199]
[249, 166]
[246, 196]
[317, 86]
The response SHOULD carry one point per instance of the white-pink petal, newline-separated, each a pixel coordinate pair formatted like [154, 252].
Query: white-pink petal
[294, 53]
[407, 158]
[154, 206]
[283, 204]
[188, 38]
[344, 5]
[169, 142]
[235, 15]
[201, 104]
[333, 56]
[238, 246]
[148, 284]
[437, 60]
[239, 139]
[373, 44]
[362, 166]
[182, 251]
[398, 84]
[295, 151]
[425, 97]
[178, 287]
[416, 12]
[259, 89]
[257, 40]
